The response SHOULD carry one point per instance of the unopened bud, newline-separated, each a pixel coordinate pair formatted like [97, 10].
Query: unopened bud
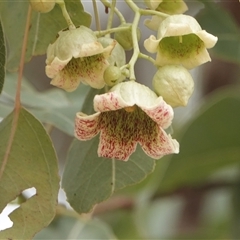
[174, 83]
[112, 75]
[42, 6]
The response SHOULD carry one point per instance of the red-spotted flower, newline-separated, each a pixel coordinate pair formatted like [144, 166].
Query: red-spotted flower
[77, 56]
[128, 114]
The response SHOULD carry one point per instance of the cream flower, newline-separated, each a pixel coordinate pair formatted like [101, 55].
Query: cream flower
[170, 7]
[181, 40]
[77, 56]
[129, 114]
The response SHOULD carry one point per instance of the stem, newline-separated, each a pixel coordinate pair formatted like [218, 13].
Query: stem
[136, 50]
[110, 17]
[144, 56]
[65, 14]
[153, 12]
[97, 20]
[17, 105]
[111, 30]
[118, 13]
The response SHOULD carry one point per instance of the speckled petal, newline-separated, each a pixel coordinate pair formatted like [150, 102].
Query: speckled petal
[159, 144]
[125, 94]
[55, 67]
[86, 127]
[111, 147]
[161, 113]
[109, 102]
[66, 81]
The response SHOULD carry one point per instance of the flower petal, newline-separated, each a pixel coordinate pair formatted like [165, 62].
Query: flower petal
[55, 67]
[161, 113]
[125, 94]
[110, 146]
[151, 44]
[159, 144]
[86, 127]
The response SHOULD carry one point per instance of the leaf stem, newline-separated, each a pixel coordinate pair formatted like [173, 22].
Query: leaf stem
[17, 106]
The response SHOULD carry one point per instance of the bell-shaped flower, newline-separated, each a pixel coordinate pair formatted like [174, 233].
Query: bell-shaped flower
[77, 56]
[170, 7]
[181, 40]
[130, 113]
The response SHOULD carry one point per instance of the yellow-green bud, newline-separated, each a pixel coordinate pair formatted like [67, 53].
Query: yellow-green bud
[124, 38]
[174, 83]
[42, 6]
[112, 75]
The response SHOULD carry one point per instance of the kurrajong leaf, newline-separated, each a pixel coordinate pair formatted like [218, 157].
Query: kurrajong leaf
[89, 179]
[31, 162]
[208, 143]
[2, 58]
[43, 31]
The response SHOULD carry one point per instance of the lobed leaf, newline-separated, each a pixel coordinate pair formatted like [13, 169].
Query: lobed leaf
[89, 179]
[43, 31]
[2, 58]
[31, 162]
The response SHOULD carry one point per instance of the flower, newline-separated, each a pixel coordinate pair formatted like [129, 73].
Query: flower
[129, 114]
[77, 56]
[174, 83]
[181, 40]
[170, 7]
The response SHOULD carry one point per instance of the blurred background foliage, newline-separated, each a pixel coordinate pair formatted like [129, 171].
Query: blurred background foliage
[192, 195]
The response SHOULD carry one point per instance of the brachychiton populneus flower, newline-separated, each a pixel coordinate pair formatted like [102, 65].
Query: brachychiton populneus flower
[129, 114]
[181, 40]
[77, 56]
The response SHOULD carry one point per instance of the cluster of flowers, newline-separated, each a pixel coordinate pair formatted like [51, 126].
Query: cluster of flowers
[130, 113]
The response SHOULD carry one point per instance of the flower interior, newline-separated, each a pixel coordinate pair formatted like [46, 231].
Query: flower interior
[181, 46]
[83, 66]
[122, 129]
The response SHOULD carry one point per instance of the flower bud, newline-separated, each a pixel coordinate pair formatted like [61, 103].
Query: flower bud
[124, 38]
[174, 83]
[42, 6]
[112, 75]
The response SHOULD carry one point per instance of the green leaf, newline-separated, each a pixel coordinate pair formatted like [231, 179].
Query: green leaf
[2, 58]
[43, 31]
[220, 23]
[67, 227]
[55, 106]
[31, 162]
[89, 179]
[209, 142]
